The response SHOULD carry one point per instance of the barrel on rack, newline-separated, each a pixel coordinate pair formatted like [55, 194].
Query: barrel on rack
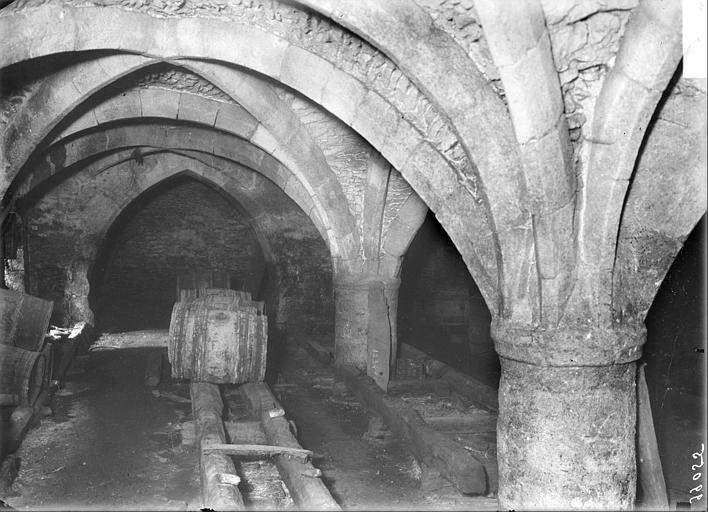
[23, 375]
[219, 336]
[23, 320]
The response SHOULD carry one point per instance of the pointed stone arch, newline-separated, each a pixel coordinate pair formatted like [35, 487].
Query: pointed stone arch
[433, 162]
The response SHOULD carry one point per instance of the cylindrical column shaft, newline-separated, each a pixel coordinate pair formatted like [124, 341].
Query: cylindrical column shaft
[365, 322]
[567, 416]
[565, 436]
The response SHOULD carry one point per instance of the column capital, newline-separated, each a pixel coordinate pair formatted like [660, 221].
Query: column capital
[573, 345]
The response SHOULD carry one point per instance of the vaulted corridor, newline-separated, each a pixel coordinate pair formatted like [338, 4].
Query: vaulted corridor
[495, 205]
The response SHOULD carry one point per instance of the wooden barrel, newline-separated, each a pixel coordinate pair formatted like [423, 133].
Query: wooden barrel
[205, 279]
[23, 373]
[219, 339]
[23, 319]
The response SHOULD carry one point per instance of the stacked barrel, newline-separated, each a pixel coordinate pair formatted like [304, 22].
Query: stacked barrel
[24, 359]
[218, 335]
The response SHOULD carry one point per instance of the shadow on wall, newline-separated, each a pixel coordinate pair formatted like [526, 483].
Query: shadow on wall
[441, 310]
[676, 364]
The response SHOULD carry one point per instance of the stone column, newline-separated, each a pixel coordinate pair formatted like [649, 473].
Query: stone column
[365, 323]
[76, 291]
[567, 415]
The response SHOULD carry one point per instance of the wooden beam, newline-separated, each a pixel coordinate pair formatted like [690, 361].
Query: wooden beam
[650, 473]
[219, 492]
[322, 354]
[259, 450]
[245, 432]
[477, 392]
[428, 445]
[302, 479]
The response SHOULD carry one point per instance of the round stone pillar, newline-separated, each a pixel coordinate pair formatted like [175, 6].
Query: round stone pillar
[365, 322]
[351, 313]
[75, 304]
[567, 416]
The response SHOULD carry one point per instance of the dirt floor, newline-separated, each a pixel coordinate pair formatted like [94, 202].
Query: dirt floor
[115, 443]
[110, 444]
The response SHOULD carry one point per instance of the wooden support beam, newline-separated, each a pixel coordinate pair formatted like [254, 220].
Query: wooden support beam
[218, 473]
[302, 479]
[259, 450]
[650, 473]
[428, 446]
[245, 432]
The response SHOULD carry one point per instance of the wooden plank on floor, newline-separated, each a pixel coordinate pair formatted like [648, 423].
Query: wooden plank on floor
[218, 473]
[245, 432]
[429, 446]
[464, 422]
[258, 450]
[397, 387]
[301, 478]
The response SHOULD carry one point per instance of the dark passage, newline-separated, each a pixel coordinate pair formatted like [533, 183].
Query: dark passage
[441, 311]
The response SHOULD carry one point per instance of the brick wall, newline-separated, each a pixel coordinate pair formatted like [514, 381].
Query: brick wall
[188, 226]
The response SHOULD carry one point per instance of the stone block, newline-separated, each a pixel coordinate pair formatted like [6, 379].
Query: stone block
[342, 94]
[239, 150]
[385, 21]
[427, 163]
[83, 122]
[511, 29]
[264, 139]
[550, 178]
[533, 92]
[157, 102]
[401, 144]
[375, 119]
[397, 239]
[272, 169]
[237, 120]
[650, 49]
[413, 211]
[123, 106]
[305, 72]
[247, 46]
[197, 109]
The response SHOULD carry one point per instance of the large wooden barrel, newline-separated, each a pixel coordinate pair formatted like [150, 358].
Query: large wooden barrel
[23, 373]
[219, 338]
[23, 319]
[188, 282]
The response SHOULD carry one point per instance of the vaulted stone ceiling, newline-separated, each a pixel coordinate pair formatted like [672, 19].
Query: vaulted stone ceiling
[556, 142]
